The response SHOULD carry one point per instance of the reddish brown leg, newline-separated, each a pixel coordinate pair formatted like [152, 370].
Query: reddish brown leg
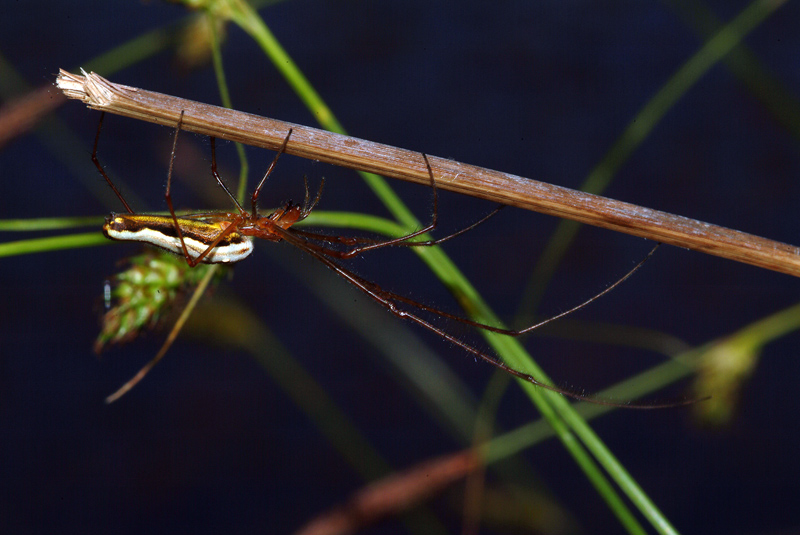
[403, 239]
[100, 167]
[356, 240]
[333, 253]
[389, 301]
[218, 178]
[257, 191]
[168, 196]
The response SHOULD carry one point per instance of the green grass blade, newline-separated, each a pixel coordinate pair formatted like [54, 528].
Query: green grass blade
[52, 243]
[444, 269]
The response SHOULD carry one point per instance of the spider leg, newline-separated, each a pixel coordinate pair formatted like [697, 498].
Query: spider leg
[402, 239]
[455, 234]
[304, 239]
[530, 328]
[168, 195]
[362, 244]
[100, 167]
[357, 240]
[257, 191]
[219, 178]
[391, 302]
[234, 224]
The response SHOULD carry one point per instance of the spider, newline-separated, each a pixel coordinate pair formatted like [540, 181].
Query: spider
[226, 237]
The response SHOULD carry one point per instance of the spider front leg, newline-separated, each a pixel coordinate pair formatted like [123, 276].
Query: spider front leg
[103, 171]
[214, 241]
[168, 197]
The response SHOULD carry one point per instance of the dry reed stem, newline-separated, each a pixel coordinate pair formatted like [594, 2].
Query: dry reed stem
[393, 495]
[22, 113]
[337, 149]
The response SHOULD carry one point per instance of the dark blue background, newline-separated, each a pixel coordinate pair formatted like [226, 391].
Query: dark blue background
[542, 90]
